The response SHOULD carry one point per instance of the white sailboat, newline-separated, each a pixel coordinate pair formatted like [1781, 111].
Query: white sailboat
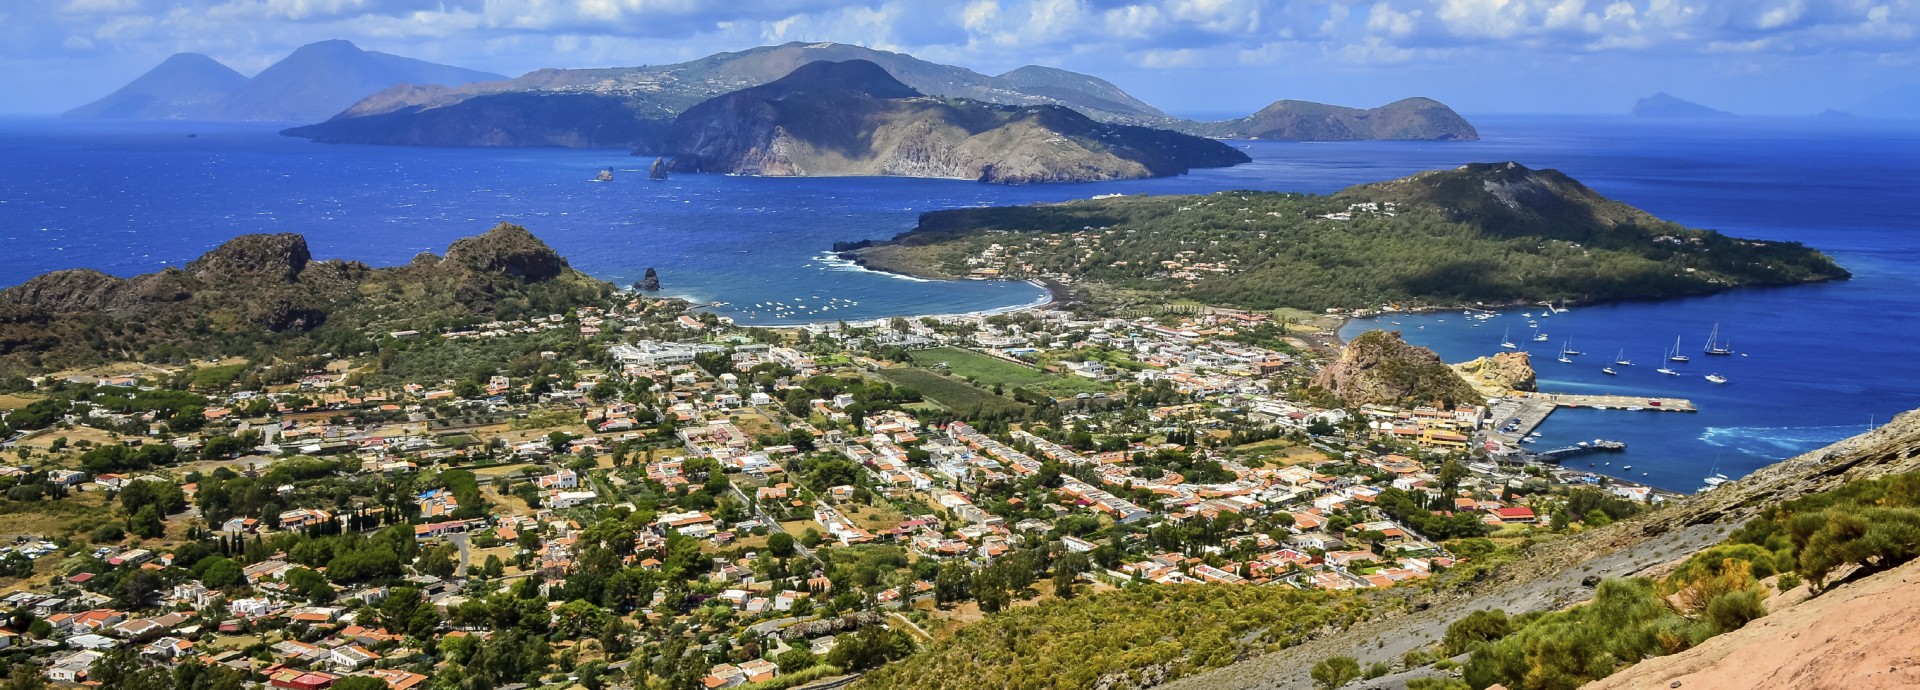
[1568, 350]
[1540, 337]
[1609, 371]
[1716, 378]
[1714, 346]
[1676, 356]
[1620, 358]
[1566, 353]
[1506, 341]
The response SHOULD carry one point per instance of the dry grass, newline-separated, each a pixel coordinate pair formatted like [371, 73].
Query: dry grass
[15, 401]
[76, 514]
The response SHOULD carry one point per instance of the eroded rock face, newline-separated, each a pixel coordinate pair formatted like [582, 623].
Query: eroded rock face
[1506, 371]
[1380, 368]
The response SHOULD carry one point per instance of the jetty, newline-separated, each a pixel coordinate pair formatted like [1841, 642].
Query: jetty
[1514, 418]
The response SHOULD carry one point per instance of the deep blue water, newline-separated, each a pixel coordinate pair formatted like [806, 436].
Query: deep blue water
[1821, 361]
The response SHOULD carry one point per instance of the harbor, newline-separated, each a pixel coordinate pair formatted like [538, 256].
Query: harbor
[1515, 418]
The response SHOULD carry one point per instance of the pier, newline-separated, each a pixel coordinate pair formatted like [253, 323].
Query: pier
[1514, 418]
[1583, 448]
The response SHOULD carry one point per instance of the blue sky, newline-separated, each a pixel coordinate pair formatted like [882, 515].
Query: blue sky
[1185, 56]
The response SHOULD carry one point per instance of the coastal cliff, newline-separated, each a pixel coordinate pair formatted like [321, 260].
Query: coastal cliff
[1499, 374]
[853, 118]
[262, 289]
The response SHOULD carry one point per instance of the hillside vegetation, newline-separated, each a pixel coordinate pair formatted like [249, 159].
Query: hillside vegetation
[1863, 527]
[1141, 633]
[1493, 233]
[258, 291]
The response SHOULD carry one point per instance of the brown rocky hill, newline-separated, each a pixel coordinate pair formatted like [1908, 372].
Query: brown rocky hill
[267, 289]
[1378, 367]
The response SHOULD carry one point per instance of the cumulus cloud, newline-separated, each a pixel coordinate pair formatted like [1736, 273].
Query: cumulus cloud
[1091, 35]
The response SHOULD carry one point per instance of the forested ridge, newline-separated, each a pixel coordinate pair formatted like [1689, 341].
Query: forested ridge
[1492, 233]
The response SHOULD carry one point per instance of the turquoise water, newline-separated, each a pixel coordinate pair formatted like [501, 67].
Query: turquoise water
[1821, 361]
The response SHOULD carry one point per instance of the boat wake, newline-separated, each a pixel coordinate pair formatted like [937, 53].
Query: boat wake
[832, 262]
[1775, 443]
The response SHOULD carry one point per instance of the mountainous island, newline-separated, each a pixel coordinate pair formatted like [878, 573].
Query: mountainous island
[315, 82]
[1488, 233]
[853, 118]
[267, 290]
[1411, 119]
[1665, 106]
[184, 86]
[630, 107]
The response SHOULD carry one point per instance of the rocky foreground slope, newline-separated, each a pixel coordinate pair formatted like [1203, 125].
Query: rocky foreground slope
[1560, 573]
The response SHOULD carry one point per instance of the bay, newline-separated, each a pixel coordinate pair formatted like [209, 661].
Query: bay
[1820, 362]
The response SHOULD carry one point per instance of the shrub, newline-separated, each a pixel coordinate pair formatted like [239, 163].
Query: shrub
[1333, 672]
[1731, 610]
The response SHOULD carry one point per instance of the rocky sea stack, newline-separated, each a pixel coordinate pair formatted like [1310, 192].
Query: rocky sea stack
[649, 282]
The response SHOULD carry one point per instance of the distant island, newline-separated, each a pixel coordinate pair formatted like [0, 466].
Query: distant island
[1411, 119]
[632, 106]
[853, 118]
[1492, 233]
[265, 291]
[1666, 106]
[316, 81]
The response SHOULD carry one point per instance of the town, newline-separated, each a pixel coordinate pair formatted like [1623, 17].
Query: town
[640, 494]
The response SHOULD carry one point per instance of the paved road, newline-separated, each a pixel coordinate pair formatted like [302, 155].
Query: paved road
[459, 540]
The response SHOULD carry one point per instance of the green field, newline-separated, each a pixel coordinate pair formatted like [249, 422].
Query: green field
[987, 370]
[953, 394]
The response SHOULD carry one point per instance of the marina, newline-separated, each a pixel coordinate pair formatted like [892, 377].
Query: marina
[1516, 418]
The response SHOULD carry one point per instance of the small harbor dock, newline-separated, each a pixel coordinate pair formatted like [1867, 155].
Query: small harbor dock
[1514, 418]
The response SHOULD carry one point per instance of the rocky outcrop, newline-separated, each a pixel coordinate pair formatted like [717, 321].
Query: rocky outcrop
[275, 258]
[649, 282]
[508, 250]
[1499, 374]
[853, 118]
[1378, 367]
[657, 171]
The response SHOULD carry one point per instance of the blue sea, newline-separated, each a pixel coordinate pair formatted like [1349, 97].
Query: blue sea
[1815, 363]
